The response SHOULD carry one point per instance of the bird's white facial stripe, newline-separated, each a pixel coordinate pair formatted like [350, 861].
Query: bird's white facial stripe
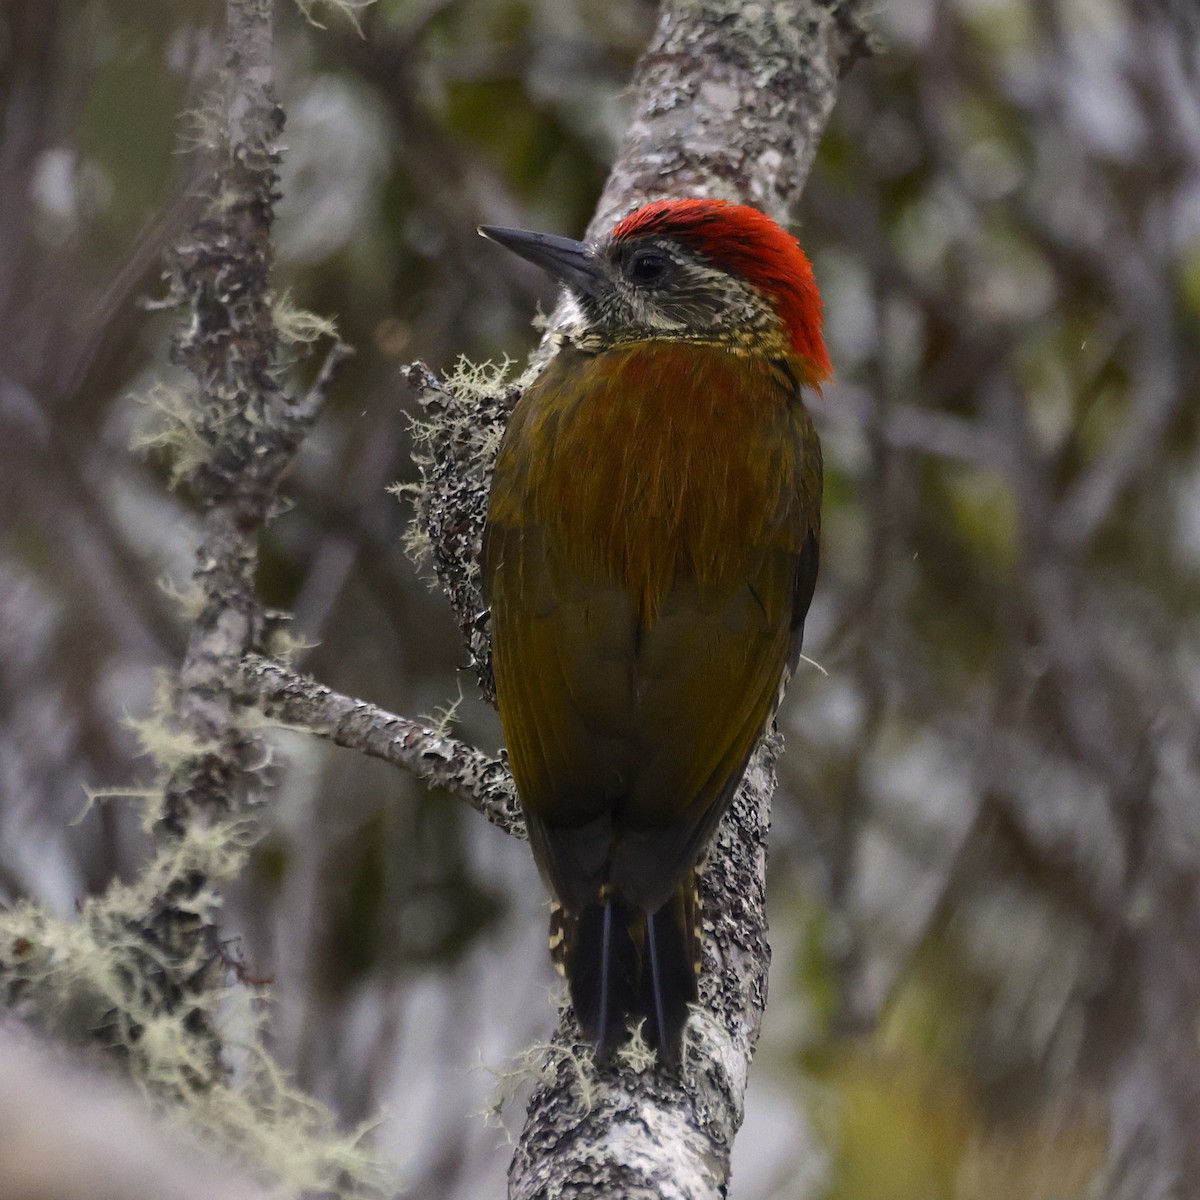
[568, 316]
[657, 319]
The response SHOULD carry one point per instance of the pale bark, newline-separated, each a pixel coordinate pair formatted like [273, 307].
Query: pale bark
[430, 754]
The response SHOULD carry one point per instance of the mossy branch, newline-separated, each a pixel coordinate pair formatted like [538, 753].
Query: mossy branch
[287, 700]
[142, 969]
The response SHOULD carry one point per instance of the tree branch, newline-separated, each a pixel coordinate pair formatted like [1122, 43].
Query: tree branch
[142, 968]
[429, 754]
[245, 434]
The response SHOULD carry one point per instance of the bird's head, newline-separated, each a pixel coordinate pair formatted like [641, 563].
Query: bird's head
[686, 270]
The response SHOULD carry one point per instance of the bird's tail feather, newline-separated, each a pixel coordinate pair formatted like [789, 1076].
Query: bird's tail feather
[669, 985]
[623, 964]
[602, 963]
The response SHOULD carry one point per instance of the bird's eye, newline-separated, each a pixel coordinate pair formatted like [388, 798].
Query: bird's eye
[646, 266]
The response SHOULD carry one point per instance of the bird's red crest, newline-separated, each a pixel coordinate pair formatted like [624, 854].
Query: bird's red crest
[745, 241]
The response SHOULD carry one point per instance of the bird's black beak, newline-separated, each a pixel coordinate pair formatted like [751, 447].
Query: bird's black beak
[571, 262]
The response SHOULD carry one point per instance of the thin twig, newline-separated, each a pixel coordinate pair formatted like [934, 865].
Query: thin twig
[297, 701]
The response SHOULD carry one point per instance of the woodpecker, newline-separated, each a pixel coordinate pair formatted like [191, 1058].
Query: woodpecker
[649, 557]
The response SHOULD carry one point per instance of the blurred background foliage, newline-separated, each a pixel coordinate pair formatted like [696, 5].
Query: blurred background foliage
[986, 846]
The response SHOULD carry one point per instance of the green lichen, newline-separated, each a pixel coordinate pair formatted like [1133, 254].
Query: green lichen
[174, 424]
[537, 1065]
[298, 326]
[84, 977]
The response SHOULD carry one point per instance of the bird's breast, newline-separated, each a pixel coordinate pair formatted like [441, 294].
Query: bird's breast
[659, 461]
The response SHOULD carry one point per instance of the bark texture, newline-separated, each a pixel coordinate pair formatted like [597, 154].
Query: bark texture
[731, 101]
[429, 754]
[222, 273]
[237, 436]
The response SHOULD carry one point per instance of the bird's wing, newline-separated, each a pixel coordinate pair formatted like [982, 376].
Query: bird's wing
[562, 657]
[708, 682]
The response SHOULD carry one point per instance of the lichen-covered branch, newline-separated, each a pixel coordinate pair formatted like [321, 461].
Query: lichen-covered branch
[731, 99]
[141, 967]
[460, 434]
[245, 431]
[242, 423]
[430, 754]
